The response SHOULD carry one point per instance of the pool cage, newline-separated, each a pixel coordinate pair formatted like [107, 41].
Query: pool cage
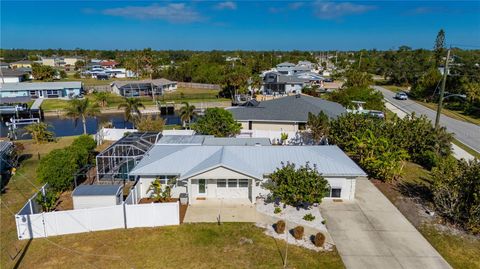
[116, 162]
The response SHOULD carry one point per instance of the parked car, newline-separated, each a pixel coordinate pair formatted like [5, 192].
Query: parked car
[328, 80]
[401, 96]
[377, 113]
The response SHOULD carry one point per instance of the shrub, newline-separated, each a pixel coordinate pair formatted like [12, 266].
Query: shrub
[309, 217]
[277, 210]
[319, 240]
[280, 227]
[47, 201]
[298, 232]
[57, 169]
[218, 122]
[297, 187]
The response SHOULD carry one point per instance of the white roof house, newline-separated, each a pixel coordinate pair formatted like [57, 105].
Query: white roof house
[237, 172]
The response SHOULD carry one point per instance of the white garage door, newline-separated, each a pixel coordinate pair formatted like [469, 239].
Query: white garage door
[233, 188]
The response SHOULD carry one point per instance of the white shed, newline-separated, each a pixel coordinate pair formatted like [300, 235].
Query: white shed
[90, 196]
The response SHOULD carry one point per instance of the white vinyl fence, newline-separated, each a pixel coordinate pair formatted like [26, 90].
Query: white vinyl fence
[32, 224]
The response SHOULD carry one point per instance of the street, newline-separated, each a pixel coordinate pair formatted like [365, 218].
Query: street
[467, 133]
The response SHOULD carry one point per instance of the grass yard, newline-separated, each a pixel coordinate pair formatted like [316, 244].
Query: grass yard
[394, 88]
[466, 148]
[18, 190]
[185, 246]
[461, 251]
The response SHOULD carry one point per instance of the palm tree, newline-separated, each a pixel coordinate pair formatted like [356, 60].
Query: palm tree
[81, 109]
[256, 84]
[39, 132]
[131, 107]
[102, 98]
[187, 112]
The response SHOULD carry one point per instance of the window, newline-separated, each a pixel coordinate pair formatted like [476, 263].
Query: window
[167, 179]
[232, 183]
[221, 183]
[336, 192]
[243, 183]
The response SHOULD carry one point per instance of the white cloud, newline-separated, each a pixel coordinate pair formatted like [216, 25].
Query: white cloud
[226, 5]
[331, 10]
[173, 13]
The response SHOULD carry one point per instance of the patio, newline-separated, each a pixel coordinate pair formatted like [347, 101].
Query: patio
[223, 210]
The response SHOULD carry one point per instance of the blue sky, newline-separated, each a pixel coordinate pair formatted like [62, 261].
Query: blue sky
[230, 25]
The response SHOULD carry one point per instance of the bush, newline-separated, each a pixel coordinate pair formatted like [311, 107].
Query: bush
[57, 169]
[277, 210]
[280, 227]
[319, 240]
[309, 217]
[298, 232]
[217, 122]
[47, 201]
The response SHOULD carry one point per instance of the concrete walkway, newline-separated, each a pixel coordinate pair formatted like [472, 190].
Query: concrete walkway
[224, 210]
[371, 233]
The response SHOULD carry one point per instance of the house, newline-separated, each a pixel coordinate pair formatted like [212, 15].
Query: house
[108, 64]
[50, 61]
[237, 173]
[147, 87]
[71, 60]
[13, 75]
[287, 114]
[4, 65]
[92, 196]
[276, 83]
[285, 68]
[41, 89]
[21, 64]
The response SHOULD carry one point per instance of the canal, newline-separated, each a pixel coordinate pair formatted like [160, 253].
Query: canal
[62, 126]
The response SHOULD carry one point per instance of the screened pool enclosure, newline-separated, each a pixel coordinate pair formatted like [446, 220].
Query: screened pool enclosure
[119, 159]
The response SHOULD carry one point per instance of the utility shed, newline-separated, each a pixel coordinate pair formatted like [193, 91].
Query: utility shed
[90, 196]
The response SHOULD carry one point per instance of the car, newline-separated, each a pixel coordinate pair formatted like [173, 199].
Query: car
[328, 80]
[401, 96]
[377, 114]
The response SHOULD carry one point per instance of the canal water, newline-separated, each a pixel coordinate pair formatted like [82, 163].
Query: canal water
[62, 126]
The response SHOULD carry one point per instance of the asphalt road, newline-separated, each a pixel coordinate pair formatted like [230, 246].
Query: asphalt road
[467, 133]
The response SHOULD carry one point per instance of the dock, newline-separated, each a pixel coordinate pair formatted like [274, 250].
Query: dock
[37, 104]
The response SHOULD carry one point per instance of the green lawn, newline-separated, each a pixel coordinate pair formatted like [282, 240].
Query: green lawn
[459, 115]
[460, 251]
[466, 148]
[394, 88]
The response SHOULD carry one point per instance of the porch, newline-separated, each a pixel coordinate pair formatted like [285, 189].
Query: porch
[221, 210]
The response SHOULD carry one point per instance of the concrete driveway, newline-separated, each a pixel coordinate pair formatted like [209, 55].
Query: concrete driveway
[228, 210]
[371, 233]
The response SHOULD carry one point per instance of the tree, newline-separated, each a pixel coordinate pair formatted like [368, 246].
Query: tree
[43, 72]
[318, 125]
[81, 109]
[63, 74]
[297, 187]
[48, 200]
[256, 83]
[57, 169]
[439, 47]
[150, 124]
[79, 64]
[456, 192]
[218, 122]
[373, 99]
[131, 107]
[357, 78]
[102, 98]
[187, 113]
[39, 132]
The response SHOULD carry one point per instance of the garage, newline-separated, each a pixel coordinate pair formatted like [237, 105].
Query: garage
[233, 188]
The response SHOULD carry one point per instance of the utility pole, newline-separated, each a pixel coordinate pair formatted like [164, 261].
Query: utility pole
[442, 90]
[360, 60]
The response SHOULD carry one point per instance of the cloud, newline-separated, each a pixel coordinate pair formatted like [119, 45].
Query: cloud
[295, 5]
[226, 5]
[173, 13]
[331, 10]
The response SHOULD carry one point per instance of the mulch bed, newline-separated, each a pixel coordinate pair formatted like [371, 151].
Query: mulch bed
[151, 200]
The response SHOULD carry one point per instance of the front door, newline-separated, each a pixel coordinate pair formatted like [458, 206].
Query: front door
[202, 187]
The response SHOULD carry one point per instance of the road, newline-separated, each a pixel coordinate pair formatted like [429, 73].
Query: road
[467, 133]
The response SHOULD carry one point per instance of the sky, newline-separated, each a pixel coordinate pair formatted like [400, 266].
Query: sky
[237, 25]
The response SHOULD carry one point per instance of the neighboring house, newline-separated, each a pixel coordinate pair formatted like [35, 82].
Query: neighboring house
[285, 68]
[237, 173]
[275, 83]
[4, 65]
[41, 89]
[13, 75]
[119, 73]
[21, 64]
[288, 113]
[147, 87]
[71, 60]
[50, 61]
[108, 64]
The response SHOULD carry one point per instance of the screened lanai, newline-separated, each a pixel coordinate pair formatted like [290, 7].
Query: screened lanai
[119, 159]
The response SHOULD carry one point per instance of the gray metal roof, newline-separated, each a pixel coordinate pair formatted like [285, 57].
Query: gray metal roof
[13, 73]
[287, 109]
[291, 79]
[26, 86]
[253, 161]
[156, 82]
[97, 190]
[232, 141]
[210, 140]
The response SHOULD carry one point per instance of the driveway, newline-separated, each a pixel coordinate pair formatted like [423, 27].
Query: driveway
[371, 233]
[467, 133]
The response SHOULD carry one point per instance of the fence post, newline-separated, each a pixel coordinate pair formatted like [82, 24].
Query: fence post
[125, 215]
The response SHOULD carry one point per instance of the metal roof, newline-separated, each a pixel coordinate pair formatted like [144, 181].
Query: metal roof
[26, 86]
[182, 140]
[287, 109]
[210, 140]
[12, 73]
[250, 160]
[133, 83]
[97, 190]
